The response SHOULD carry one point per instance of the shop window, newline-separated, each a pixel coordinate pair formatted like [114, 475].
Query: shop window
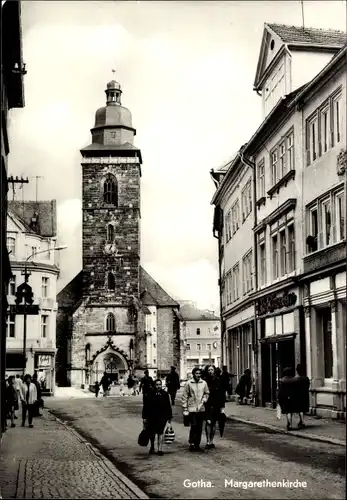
[11, 326]
[325, 315]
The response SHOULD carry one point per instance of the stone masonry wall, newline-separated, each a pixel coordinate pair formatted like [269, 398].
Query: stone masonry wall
[98, 257]
[168, 339]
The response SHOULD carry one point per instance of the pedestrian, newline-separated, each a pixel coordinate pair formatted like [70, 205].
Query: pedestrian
[136, 386]
[244, 386]
[214, 405]
[105, 384]
[173, 384]
[226, 381]
[39, 400]
[146, 384]
[286, 396]
[301, 394]
[130, 384]
[11, 399]
[121, 386]
[97, 389]
[28, 398]
[156, 413]
[195, 395]
[18, 384]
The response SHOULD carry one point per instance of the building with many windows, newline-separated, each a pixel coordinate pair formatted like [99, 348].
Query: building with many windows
[200, 338]
[298, 162]
[31, 238]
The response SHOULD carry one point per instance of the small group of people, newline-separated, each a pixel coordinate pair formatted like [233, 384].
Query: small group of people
[203, 400]
[293, 395]
[27, 391]
[106, 383]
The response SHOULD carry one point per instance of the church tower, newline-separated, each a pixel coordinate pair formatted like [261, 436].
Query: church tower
[111, 172]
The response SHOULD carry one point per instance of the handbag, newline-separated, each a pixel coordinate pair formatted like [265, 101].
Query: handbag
[143, 438]
[169, 435]
[278, 412]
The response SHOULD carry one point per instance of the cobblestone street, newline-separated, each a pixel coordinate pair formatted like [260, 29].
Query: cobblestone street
[52, 461]
[245, 453]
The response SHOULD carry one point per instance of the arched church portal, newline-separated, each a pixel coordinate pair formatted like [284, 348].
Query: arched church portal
[113, 363]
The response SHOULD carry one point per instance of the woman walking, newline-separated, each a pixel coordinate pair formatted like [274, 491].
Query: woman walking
[28, 398]
[301, 394]
[214, 405]
[11, 399]
[156, 413]
[244, 386]
[286, 396]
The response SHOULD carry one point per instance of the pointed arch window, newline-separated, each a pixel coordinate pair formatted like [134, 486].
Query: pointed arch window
[110, 233]
[110, 190]
[111, 282]
[110, 323]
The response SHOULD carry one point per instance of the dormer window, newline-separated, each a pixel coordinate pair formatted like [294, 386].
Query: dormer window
[110, 190]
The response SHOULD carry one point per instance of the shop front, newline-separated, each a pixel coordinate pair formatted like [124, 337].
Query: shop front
[44, 363]
[280, 339]
[325, 329]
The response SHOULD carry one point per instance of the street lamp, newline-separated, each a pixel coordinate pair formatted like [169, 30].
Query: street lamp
[26, 278]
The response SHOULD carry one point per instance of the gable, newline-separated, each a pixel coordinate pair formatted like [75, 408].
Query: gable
[270, 47]
[46, 213]
[152, 293]
[15, 224]
[70, 296]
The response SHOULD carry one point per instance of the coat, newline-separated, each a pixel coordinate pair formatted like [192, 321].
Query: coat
[157, 406]
[286, 395]
[301, 396]
[244, 386]
[195, 395]
[216, 398]
[146, 384]
[32, 393]
[173, 382]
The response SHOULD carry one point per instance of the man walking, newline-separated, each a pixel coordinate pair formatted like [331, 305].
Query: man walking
[146, 384]
[195, 395]
[173, 384]
[105, 384]
[226, 381]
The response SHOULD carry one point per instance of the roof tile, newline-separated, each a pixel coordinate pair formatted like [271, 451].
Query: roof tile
[314, 36]
[47, 215]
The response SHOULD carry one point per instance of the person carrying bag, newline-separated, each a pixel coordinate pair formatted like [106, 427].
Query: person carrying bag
[169, 435]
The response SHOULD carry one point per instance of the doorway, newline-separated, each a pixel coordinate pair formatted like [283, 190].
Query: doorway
[269, 374]
[286, 356]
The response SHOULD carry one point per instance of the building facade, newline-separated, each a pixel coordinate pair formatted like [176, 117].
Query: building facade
[200, 338]
[299, 244]
[12, 96]
[103, 316]
[31, 239]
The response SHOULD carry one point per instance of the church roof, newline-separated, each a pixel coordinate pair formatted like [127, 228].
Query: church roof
[152, 294]
[47, 215]
[125, 149]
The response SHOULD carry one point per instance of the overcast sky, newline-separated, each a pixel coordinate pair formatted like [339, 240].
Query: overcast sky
[187, 72]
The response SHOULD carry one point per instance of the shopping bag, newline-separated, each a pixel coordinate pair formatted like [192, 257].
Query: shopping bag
[143, 438]
[169, 435]
[278, 412]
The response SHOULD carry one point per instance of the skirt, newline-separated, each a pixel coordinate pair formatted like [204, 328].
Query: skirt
[156, 426]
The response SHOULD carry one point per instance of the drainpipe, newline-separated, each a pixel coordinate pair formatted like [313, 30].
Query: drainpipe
[249, 162]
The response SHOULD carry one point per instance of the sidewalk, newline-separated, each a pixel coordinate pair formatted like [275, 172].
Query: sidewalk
[53, 461]
[325, 430]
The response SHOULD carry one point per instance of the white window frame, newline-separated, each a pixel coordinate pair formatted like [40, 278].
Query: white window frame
[227, 226]
[11, 326]
[326, 238]
[290, 242]
[209, 347]
[283, 250]
[44, 326]
[235, 216]
[282, 162]
[247, 281]
[340, 210]
[11, 245]
[45, 287]
[12, 286]
[187, 347]
[246, 200]
[262, 261]
[274, 166]
[290, 151]
[261, 178]
[324, 129]
[312, 138]
[198, 347]
[235, 282]
[336, 116]
[275, 256]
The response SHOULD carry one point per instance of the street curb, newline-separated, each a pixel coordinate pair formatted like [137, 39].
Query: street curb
[279, 430]
[107, 463]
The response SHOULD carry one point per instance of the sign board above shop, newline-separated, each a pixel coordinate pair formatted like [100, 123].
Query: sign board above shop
[29, 310]
[270, 303]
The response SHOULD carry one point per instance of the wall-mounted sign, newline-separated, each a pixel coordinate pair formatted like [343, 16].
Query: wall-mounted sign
[270, 303]
[44, 360]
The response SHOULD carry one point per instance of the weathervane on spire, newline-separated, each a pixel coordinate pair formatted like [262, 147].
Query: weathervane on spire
[113, 72]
